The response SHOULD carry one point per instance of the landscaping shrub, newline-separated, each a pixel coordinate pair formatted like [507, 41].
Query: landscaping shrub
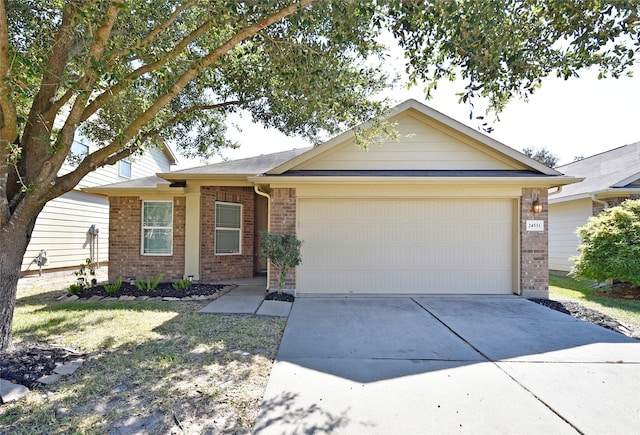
[282, 250]
[610, 245]
[113, 288]
[149, 284]
[183, 284]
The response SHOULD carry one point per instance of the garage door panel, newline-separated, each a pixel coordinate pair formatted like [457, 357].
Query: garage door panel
[405, 246]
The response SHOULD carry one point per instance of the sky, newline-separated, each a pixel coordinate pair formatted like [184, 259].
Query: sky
[577, 117]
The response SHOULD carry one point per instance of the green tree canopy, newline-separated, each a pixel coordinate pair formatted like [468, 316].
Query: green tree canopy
[610, 245]
[542, 155]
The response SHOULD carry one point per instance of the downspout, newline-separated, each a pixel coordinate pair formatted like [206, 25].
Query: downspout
[256, 188]
[599, 201]
[558, 190]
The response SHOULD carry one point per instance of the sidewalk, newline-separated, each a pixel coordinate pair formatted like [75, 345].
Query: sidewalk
[248, 299]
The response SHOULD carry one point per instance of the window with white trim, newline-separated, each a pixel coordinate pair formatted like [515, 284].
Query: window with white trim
[157, 227]
[228, 237]
[124, 169]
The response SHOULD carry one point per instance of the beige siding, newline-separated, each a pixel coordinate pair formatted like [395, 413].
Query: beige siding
[564, 219]
[62, 226]
[422, 146]
[152, 162]
[406, 246]
[62, 230]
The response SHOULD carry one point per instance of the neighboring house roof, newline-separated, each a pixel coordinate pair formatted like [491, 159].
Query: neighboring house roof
[608, 174]
[171, 156]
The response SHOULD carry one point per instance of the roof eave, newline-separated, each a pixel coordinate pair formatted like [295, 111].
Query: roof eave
[599, 194]
[544, 182]
[131, 191]
[175, 176]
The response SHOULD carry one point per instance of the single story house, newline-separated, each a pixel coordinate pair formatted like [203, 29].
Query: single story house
[445, 210]
[609, 179]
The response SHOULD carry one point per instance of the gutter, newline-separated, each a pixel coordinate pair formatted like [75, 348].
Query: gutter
[256, 188]
[599, 201]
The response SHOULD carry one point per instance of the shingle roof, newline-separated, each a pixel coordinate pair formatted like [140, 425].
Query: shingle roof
[249, 166]
[146, 182]
[603, 171]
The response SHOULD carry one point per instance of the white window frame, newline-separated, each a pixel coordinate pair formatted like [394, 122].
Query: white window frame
[84, 146]
[120, 174]
[143, 227]
[216, 228]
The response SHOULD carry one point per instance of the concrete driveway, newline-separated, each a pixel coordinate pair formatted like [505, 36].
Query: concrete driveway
[442, 364]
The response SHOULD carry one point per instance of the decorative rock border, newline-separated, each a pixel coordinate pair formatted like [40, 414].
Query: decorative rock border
[125, 298]
[10, 391]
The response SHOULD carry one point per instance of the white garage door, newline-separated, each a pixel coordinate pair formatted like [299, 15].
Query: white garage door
[405, 246]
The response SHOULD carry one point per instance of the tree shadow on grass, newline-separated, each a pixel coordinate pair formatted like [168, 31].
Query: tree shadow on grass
[197, 374]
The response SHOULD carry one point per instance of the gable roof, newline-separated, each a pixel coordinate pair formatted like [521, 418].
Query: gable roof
[243, 167]
[425, 159]
[484, 143]
[609, 173]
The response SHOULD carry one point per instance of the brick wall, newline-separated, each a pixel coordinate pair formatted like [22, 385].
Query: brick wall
[597, 207]
[283, 219]
[223, 267]
[534, 248]
[125, 260]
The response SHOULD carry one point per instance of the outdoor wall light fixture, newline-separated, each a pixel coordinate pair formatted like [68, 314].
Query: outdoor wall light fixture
[536, 205]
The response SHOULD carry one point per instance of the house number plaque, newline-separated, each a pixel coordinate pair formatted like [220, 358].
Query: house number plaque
[535, 225]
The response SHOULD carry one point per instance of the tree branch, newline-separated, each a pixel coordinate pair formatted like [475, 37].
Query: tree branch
[39, 126]
[114, 90]
[8, 117]
[195, 108]
[50, 168]
[99, 157]
[151, 36]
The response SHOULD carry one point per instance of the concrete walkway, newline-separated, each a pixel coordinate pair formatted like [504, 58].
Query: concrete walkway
[448, 365]
[247, 299]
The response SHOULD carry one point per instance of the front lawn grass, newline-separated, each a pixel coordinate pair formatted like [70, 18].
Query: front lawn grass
[158, 365]
[578, 290]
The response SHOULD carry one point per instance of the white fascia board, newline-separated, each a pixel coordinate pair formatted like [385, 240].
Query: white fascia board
[543, 182]
[600, 194]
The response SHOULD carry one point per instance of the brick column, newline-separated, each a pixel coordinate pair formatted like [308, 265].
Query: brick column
[283, 219]
[534, 246]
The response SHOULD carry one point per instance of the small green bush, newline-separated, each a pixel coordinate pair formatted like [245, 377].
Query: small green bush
[113, 288]
[183, 284]
[283, 251]
[75, 289]
[610, 245]
[149, 284]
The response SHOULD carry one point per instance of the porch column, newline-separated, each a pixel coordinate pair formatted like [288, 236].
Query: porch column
[534, 245]
[192, 235]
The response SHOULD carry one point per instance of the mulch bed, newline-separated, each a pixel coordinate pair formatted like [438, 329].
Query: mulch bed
[576, 310]
[275, 296]
[164, 289]
[26, 363]
[620, 290]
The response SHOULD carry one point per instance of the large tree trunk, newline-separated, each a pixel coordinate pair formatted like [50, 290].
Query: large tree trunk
[14, 239]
